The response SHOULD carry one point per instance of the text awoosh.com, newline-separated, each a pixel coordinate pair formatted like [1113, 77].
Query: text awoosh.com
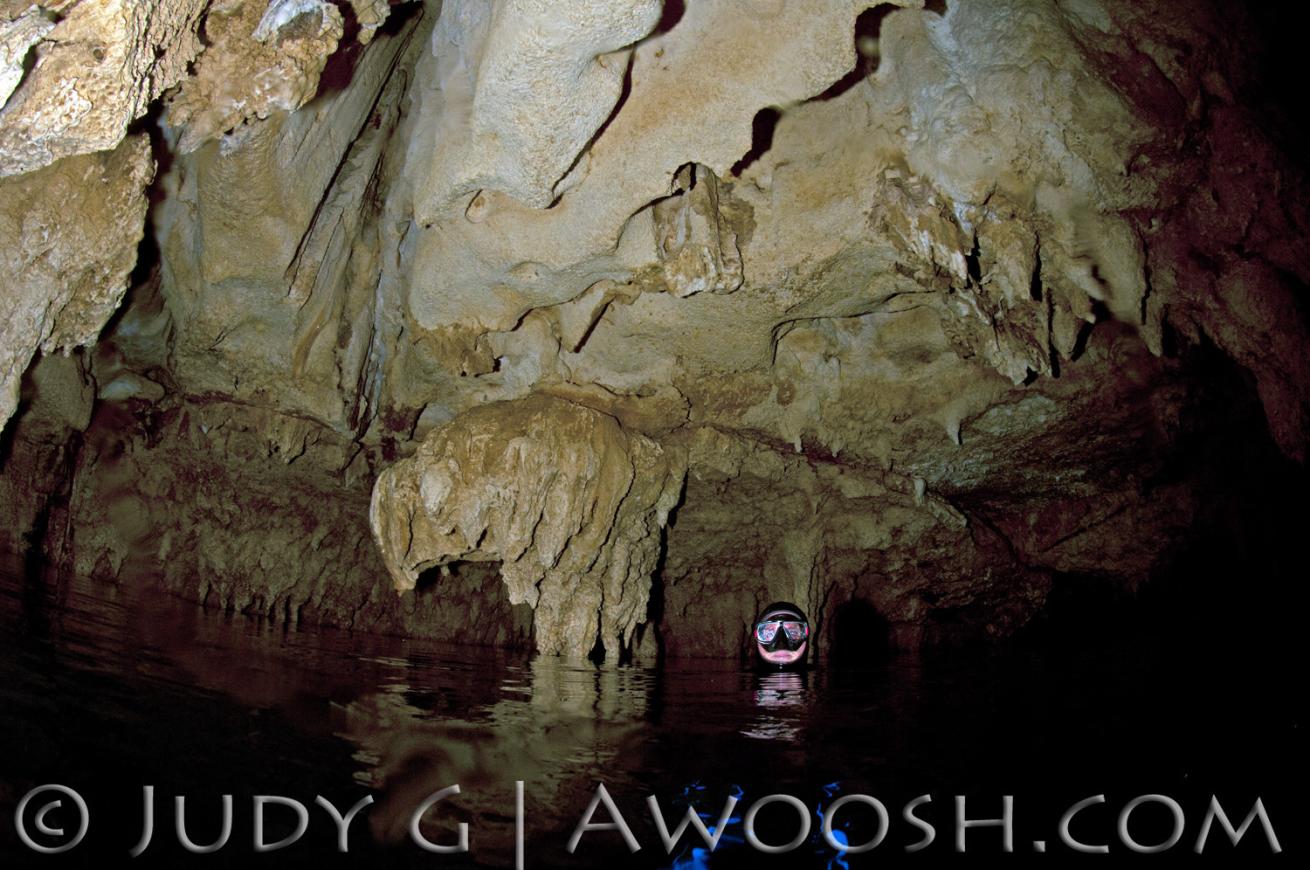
[56, 818]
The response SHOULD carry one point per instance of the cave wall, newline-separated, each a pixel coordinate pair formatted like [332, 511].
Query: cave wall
[222, 505]
[687, 307]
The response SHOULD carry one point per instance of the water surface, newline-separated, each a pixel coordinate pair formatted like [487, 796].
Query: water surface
[106, 690]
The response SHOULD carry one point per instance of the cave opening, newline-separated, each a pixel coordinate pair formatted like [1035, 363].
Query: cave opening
[861, 636]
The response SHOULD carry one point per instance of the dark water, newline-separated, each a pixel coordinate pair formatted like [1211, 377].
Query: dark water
[105, 691]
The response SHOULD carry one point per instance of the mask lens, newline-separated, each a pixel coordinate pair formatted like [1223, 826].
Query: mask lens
[795, 632]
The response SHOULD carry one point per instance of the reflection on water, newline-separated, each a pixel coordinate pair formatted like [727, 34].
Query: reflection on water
[780, 699]
[108, 690]
[556, 727]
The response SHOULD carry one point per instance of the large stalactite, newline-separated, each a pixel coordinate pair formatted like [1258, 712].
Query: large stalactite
[570, 505]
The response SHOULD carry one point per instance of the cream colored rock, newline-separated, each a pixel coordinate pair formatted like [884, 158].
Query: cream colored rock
[370, 14]
[570, 504]
[96, 70]
[263, 58]
[1028, 185]
[17, 36]
[758, 55]
[525, 84]
[273, 252]
[697, 246]
[68, 242]
[130, 385]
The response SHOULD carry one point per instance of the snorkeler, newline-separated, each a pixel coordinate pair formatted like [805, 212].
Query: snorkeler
[782, 636]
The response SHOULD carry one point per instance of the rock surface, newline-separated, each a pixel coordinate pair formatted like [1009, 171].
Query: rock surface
[570, 505]
[96, 66]
[68, 242]
[263, 59]
[932, 309]
[206, 501]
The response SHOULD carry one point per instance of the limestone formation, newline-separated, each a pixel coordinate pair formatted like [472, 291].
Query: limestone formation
[42, 450]
[68, 242]
[524, 84]
[933, 306]
[370, 15]
[571, 506]
[17, 36]
[95, 67]
[266, 58]
[696, 245]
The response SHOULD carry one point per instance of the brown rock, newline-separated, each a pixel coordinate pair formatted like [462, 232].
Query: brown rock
[571, 505]
[68, 241]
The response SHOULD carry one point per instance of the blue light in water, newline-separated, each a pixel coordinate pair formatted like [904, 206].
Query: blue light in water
[698, 857]
[838, 835]
[839, 860]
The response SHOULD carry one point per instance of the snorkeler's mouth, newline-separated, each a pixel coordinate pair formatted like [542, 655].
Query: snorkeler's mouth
[782, 656]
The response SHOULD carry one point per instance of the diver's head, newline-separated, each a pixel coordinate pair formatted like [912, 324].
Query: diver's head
[782, 635]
